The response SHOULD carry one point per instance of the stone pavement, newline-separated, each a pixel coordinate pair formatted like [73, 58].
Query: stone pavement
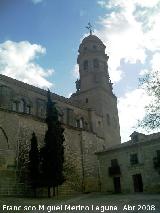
[87, 203]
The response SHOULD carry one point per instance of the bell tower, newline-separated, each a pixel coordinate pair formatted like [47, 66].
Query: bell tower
[93, 67]
[94, 88]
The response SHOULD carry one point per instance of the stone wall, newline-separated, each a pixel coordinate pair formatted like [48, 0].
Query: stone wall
[145, 151]
[80, 162]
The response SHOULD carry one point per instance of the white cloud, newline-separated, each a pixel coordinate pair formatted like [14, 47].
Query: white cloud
[102, 3]
[17, 60]
[75, 71]
[129, 29]
[131, 108]
[37, 1]
[69, 95]
[155, 62]
[143, 72]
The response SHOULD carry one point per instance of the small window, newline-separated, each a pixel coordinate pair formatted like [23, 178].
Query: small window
[133, 159]
[86, 100]
[28, 110]
[78, 123]
[81, 122]
[158, 154]
[135, 138]
[21, 106]
[85, 65]
[85, 48]
[108, 120]
[41, 108]
[114, 162]
[95, 63]
[94, 47]
[14, 106]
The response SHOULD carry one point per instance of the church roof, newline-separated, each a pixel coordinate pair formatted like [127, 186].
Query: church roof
[149, 139]
[92, 38]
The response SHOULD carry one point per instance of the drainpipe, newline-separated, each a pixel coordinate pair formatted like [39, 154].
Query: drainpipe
[82, 162]
[99, 178]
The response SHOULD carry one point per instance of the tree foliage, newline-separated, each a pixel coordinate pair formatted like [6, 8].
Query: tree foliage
[151, 84]
[52, 154]
[34, 163]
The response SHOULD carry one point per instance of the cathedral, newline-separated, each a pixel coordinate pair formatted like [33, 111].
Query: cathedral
[90, 119]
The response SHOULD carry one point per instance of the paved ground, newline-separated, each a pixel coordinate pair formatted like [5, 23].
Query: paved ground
[90, 203]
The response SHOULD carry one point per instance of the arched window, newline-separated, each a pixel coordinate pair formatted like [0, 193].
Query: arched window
[21, 106]
[85, 65]
[95, 63]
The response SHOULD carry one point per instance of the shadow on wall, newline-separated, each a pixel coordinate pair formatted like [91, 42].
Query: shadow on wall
[3, 139]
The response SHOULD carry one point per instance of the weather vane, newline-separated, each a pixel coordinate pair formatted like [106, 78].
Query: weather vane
[89, 27]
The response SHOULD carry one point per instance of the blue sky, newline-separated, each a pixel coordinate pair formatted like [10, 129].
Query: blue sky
[56, 25]
[39, 42]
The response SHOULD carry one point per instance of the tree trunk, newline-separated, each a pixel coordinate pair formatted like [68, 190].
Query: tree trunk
[54, 193]
[35, 192]
[57, 191]
[49, 192]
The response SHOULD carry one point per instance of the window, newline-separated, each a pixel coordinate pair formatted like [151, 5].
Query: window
[85, 48]
[28, 110]
[133, 159]
[108, 120]
[95, 63]
[21, 106]
[94, 47]
[41, 108]
[86, 100]
[78, 123]
[5, 91]
[114, 162]
[81, 122]
[85, 65]
[99, 123]
[14, 106]
[156, 161]
[135, 138]
[158, 154]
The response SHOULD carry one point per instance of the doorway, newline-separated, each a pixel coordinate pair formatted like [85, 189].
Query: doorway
[117, 184]
[137, 182]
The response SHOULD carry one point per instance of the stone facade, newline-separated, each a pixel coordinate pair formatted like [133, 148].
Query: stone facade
[130, 167]
[90, 119]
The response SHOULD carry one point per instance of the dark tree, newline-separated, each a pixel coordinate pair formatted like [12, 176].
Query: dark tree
[52, 154]
[34, 163]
